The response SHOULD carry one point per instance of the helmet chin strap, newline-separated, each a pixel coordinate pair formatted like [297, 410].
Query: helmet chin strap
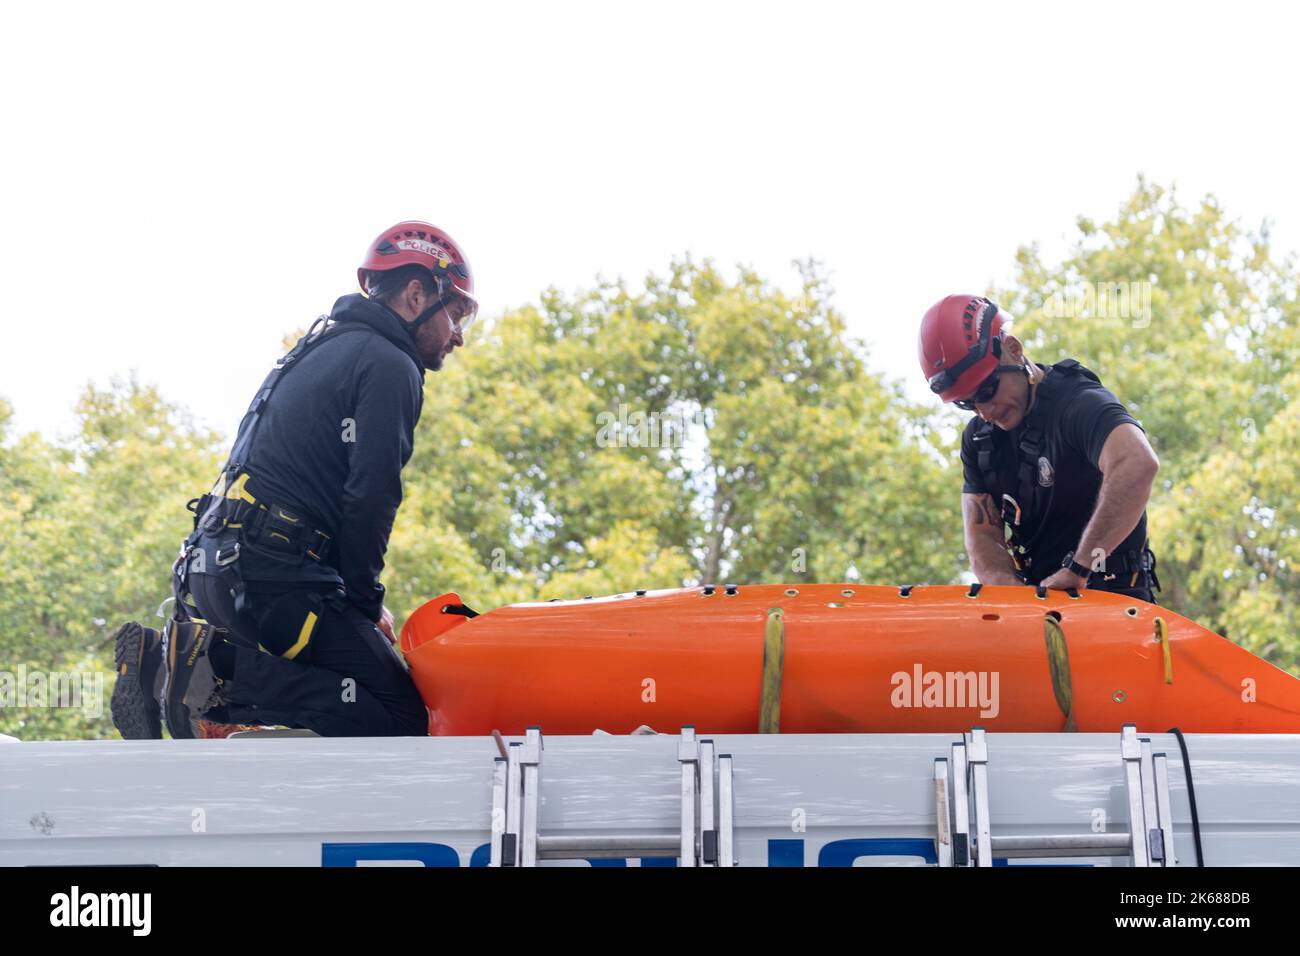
[427, 314]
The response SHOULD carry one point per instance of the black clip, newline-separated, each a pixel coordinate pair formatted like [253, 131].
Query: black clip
[464, 610]
[1015, 505]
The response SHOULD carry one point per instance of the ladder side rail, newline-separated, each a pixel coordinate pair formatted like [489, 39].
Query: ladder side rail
[943, 813]
[530, 760]
[688, 754]
[498, 810]
[1150, 813]
[961, 842]
[1164, 809]
[708, 831]
[1131, 753]
[978, 755]
[726, 813]
[514, 791]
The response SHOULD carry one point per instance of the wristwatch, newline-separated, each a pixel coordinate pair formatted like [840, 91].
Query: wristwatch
[1073, 566]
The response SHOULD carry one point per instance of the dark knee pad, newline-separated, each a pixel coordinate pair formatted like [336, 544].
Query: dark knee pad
[287, 622]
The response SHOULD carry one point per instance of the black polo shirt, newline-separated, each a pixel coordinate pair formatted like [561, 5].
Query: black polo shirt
[1074, 415]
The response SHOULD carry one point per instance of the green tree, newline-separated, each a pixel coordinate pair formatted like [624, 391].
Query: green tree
[1233, 538]
[1208, 368]
[1177, 309]
[697, 429]
[87, 537]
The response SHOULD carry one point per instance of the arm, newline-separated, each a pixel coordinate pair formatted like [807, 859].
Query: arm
[986, 535]
[986, 541]
[1128, 465]
[387, 407]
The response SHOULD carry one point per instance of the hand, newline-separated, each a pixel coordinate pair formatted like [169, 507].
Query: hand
[385, 625]
[1065, 579]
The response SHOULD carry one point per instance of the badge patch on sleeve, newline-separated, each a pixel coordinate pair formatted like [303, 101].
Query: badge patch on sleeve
[1046, 473]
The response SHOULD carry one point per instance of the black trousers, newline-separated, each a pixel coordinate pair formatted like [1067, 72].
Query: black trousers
[1143, 591]
[303, 659]
[1142, 584]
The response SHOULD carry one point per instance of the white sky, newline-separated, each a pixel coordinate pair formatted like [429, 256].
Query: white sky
[184, 183]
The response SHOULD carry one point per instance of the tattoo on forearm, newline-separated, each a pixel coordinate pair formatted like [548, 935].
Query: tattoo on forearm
[992, 512]
[985, 512]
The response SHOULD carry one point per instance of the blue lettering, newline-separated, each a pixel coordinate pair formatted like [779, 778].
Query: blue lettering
[785, 852]
[350, 854]
[844, 852]
[780, 853]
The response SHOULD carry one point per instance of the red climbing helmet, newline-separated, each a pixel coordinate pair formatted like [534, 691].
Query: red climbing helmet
[960, 344]
[422, 244]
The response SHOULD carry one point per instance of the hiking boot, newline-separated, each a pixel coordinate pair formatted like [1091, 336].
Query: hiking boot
[137, 656]
[190, 687]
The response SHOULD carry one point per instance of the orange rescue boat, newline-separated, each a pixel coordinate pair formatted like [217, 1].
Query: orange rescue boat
[838, 659]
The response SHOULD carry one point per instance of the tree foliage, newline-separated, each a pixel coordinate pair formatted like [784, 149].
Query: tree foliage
[701, 427]
[88, 532]
[696, 429]
[1209, 371]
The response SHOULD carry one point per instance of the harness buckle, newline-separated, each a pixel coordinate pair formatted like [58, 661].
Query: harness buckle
[319, 545]
[227, 556]
[213, 522]
[1015, 506]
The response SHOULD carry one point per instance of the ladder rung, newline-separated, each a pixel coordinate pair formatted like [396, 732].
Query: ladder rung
[962, 803]
[1066, 844]
[707, 812]
[599, 845]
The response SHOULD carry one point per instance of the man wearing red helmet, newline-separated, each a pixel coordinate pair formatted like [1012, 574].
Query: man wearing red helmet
[1057, 474]
[279, 614]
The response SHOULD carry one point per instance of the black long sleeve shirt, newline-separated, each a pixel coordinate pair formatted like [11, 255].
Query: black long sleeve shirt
[332, 442]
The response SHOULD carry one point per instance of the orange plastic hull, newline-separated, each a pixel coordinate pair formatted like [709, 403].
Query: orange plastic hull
[855, 659]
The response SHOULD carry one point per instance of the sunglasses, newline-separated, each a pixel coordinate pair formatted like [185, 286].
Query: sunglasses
[984, 393]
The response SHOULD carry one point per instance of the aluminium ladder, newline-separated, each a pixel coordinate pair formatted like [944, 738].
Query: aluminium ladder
[961, 791]
[706, 837]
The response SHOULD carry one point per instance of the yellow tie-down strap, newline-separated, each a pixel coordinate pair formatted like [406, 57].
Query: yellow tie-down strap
[769, 698]
[1162, 635]
[1058, 663]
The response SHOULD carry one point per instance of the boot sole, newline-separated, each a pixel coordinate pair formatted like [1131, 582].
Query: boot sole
[136, 715]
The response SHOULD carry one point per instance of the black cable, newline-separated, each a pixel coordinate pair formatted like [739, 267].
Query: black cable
[1191, 795]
